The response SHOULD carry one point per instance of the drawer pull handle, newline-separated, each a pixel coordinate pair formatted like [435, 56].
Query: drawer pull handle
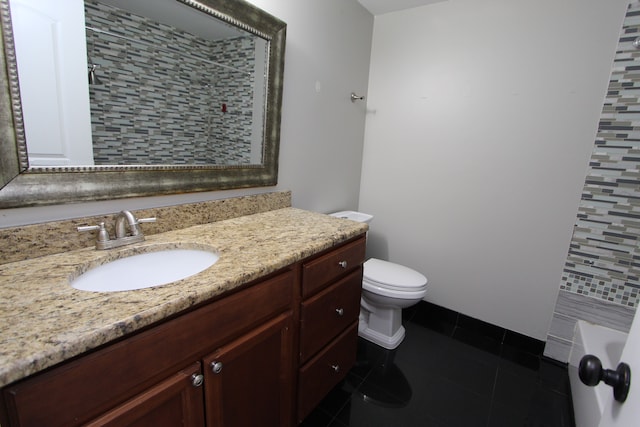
[335, 368]
[197, 380]
[340, 311]
[342, 264]
[216, 367]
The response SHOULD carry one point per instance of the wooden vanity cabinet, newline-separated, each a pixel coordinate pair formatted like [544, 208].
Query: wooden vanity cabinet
[331, 288]
[145, 376]
[263, 356]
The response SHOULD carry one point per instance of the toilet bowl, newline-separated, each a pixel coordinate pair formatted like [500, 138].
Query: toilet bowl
[387, 288]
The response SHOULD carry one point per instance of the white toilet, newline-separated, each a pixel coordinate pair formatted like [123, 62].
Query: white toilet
[387, 288]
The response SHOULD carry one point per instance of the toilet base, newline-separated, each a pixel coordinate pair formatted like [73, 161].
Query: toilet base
[385, 341]
[381, 323]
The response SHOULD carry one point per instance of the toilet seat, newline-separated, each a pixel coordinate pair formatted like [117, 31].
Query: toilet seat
[379, 274]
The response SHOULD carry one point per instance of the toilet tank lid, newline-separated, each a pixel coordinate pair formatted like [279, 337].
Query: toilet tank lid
[389, 273]
[353, 216]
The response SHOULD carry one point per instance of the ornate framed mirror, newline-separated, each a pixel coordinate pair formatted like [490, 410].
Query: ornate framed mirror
[144, 147]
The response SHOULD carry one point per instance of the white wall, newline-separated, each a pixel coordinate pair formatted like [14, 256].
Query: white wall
[481, 118]
[327, 57]
[328, 53]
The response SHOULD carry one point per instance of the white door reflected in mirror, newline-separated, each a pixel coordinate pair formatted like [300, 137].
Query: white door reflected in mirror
[52, 64]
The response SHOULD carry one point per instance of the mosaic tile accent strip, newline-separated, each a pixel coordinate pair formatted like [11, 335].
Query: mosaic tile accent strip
[600, 280]
[162, 100]
[604, 257]
[557, 349]
[571, 307]
[31, 241]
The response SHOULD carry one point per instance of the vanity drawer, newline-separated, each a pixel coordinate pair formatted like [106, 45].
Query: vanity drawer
[326, 314]
[80, 390]
[325, 370]
[319, 272]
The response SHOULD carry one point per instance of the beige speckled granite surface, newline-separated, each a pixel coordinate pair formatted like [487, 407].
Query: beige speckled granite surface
[46, 321]
[19, 243]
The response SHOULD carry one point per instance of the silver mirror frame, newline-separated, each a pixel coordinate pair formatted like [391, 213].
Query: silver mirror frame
[21, 186]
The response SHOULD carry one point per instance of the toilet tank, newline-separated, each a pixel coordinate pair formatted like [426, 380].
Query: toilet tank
[354, 216]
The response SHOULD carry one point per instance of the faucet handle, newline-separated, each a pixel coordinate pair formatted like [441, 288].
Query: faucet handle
[103, 235]
[135, 228]
[152, 219]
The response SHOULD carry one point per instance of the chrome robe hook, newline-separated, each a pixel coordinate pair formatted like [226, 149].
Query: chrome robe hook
[355, 97]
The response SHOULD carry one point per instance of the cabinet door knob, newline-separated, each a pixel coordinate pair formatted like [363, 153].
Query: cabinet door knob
[216, 367]
[197, 380]
[335, 368]
[340, 311]
[342, 264]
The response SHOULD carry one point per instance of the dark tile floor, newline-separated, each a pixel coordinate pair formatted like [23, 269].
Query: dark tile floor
[449, 373]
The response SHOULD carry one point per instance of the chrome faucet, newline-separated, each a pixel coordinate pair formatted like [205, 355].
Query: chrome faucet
[127, 216]
[123, 219]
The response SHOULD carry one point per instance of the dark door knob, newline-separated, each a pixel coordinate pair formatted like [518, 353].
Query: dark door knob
[591, 373]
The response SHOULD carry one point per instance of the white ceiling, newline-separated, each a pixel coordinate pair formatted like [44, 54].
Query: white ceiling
[378, 7]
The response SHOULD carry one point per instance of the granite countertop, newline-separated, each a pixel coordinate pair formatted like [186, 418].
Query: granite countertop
[46, 321]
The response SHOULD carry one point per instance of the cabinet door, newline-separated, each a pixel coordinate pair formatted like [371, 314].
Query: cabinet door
[248, 382]
[176, 401]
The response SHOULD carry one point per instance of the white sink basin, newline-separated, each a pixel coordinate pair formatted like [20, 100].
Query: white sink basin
[145, 270]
